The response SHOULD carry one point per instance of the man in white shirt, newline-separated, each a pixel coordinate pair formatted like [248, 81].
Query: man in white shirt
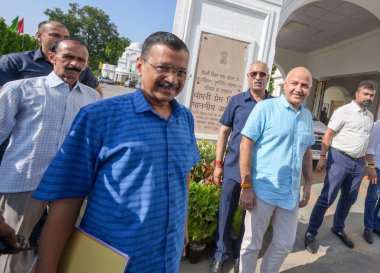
[38, 112]
[372, 200]
[346, 138]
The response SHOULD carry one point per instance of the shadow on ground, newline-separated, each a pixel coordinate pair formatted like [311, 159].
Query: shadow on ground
[340, 262]
[333, 256]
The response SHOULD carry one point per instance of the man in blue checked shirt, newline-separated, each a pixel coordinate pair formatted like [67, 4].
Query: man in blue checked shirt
[36, 63]
[130, 156]
[38, 112]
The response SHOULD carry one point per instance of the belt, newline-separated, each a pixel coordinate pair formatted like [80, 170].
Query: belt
[346, 154]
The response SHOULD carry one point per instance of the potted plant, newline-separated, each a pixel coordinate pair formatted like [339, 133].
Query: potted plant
[203, 171]
[202, 217]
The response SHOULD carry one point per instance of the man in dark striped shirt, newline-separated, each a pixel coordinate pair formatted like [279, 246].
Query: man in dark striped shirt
[130, 156]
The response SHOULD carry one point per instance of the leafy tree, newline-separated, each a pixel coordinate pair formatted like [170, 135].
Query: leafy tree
[93, 27]
[115, 49]
[11, 41]
[271, 81]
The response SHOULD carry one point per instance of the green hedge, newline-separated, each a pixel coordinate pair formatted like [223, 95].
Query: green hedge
[11, 41]
[204, 198]
[203, 171]
[203, 211]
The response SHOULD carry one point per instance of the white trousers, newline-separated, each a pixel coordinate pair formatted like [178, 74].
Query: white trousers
[284, 224]
[22, 213]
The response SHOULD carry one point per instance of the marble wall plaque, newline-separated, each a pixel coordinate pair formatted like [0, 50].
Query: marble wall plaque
[218, 76]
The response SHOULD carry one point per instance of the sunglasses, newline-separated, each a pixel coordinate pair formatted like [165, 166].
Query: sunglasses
[253, 74]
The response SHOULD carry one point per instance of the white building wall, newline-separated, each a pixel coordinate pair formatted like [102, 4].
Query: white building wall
[357, 55]
[252, 21]
[354, 56]
[278, 83]
[289, 6]
[347, 62]
[336, 94]
[126, 65]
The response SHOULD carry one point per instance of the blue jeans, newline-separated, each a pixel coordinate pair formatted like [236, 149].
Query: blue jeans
[372, 206]
[344, 175]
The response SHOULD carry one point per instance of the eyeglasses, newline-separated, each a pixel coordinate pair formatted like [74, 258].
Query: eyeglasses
[253, 74]
[167, 70]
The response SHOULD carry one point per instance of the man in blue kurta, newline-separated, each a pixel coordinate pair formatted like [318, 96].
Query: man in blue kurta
[130, 156]
[274, 150]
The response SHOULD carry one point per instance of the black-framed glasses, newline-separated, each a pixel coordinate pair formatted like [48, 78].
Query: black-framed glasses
[167, 70]
[253, 74]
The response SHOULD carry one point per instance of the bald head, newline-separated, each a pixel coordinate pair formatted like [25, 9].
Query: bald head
[300, 69]
[297, 86]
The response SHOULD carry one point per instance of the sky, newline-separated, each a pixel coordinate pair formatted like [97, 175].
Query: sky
[135, 19]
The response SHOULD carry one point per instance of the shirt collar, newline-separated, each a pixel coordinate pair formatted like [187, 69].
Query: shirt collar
[357, 108]
[38, 54]
[53, 81]
[248, 96]
[142, 105]
[286, 104]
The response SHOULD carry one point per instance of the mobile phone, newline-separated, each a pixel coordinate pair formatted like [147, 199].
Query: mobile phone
[5, 247]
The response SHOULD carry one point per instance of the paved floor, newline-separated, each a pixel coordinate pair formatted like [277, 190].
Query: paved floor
[115, 90]
[333, 256]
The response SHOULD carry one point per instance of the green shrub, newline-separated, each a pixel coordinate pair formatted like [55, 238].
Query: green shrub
[207, 149]
[10, 41]
[203, 171]
[203, 211]
[236, 223]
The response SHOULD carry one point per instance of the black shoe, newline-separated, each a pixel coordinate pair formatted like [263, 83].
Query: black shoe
[236, 265]
[216, 266]
[310, 243]
[343, 237]
[368, 236]
[376, 231]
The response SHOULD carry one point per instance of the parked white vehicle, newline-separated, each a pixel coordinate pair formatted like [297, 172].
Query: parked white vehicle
[319, 131]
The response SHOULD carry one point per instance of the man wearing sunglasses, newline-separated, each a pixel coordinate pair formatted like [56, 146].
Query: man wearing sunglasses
[232, 122]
